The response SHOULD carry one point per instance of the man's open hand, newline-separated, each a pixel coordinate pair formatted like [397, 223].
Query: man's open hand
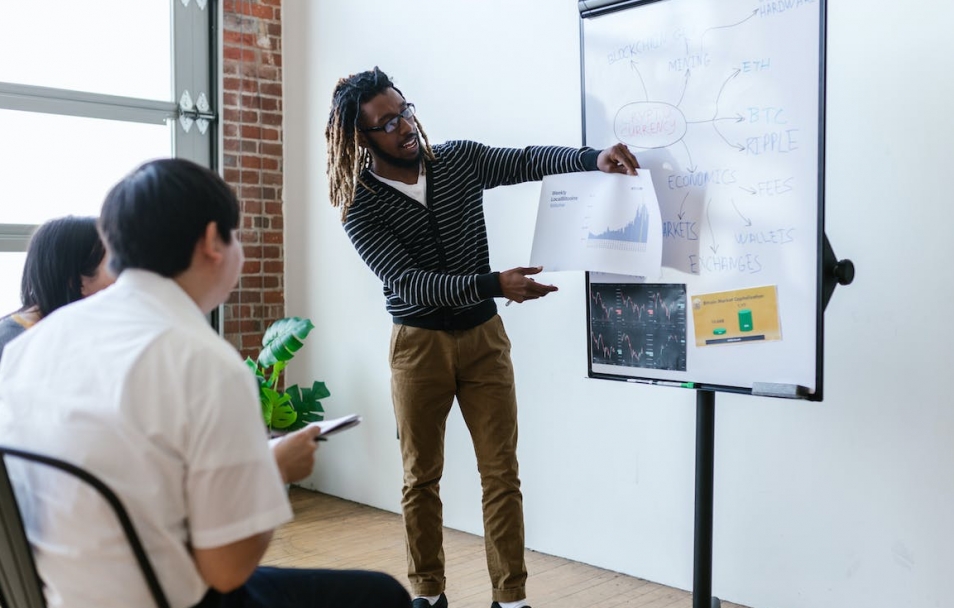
[518, 287]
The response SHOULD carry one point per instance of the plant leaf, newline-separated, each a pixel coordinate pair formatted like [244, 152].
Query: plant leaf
[320, 391]
[266, 408]
[307, 406]
[283, 339]
[272, 400]
[256, 370]
[277, 369]
[284, 416]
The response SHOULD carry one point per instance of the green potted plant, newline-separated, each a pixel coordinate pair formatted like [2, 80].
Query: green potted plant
[295, 407]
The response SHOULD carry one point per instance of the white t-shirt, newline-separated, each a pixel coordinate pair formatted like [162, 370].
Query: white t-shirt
[133, 385]
[416, 191]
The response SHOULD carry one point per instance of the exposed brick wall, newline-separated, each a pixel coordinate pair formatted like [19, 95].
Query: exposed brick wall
[253, 163]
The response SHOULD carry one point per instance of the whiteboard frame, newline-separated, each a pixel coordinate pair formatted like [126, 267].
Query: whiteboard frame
[595, 8]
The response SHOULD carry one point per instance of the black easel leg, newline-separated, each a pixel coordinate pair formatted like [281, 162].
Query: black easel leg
[705, 456]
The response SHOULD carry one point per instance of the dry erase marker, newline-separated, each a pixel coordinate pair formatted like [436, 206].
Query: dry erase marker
[662, 382]
[676, 384]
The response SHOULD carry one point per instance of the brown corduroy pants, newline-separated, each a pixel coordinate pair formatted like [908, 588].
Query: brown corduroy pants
[429, 368]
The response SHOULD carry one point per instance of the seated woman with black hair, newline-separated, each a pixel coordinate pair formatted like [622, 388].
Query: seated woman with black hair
[65, 262]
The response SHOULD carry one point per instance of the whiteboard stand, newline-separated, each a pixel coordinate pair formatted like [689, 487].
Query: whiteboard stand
[834, 272]
[705, 449]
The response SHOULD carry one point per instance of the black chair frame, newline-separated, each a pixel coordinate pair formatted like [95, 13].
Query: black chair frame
[20, 584]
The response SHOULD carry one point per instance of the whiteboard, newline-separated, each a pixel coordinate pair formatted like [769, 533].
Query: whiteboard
[723, 102]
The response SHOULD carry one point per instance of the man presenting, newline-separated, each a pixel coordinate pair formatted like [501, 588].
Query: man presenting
[415, 216]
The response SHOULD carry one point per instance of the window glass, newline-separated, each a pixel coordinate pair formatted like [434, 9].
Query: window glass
[59, 165]
[11, 269]
[115, 47]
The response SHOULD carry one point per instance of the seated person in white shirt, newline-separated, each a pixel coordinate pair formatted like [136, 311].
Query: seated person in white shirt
[135, 386]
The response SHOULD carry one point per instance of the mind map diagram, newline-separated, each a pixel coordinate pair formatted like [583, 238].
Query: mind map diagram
[724, 109]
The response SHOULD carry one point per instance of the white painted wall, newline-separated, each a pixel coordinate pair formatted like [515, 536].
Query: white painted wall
[842, 503]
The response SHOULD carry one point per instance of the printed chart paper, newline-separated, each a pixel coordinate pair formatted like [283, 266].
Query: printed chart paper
[602, 222]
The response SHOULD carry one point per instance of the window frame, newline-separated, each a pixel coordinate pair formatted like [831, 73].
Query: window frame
[194, 69]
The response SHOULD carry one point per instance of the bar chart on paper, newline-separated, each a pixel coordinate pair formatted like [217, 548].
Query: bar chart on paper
[632, 237]
[599, 222]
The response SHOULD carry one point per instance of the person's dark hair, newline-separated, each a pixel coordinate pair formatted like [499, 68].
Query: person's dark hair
[346, 159]
[60, 254]
[154, 217]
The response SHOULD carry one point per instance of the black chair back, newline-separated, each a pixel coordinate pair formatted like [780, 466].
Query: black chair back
[20, 585]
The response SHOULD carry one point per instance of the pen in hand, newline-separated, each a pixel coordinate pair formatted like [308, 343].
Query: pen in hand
[524, 287]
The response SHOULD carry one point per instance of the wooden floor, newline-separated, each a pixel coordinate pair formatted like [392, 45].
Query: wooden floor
[329, 532]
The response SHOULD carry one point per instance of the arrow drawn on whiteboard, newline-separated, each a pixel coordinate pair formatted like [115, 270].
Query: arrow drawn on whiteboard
[715, 115]
[692, 166]
[721, 89]
[682, 206]
[748, 222]
[685, 85]
[714, 247]
[632, 64]
[751, 191]
[737, 118]
[738, 147]
[702, 39]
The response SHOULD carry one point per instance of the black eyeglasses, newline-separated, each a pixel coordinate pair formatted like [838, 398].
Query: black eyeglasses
[407, 113]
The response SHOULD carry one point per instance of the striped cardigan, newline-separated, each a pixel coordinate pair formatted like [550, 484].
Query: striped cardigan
[434, 262]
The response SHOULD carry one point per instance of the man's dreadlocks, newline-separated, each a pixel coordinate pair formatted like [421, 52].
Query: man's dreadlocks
[346, 158]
